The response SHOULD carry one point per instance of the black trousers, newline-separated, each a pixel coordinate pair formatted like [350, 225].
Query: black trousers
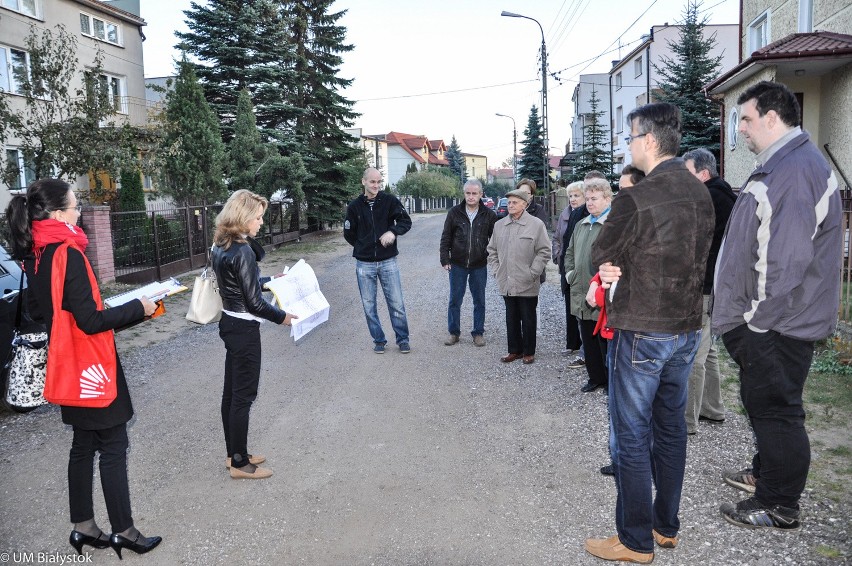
[521, 323]
[773, 369]
[595, 349]
[573, 339]
[242, 376]
[112, 444]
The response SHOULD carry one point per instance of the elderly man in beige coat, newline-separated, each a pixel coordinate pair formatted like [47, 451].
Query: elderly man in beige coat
[518, 253]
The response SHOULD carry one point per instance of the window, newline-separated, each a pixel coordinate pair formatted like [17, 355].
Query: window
[618, 81]
[100, 29]
[26, 7]
[637, 67]
[619, 119]
[21, 168]
[111, 90]
[758, 32]
[14, 69]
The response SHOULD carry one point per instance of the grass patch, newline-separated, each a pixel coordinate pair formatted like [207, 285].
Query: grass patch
[828, 551]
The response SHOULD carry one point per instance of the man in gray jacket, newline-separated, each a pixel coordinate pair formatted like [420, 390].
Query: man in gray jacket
[776, 291]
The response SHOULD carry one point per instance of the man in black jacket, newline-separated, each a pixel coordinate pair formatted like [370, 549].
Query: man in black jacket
[373, 222]
[704, 400]
[467, 229]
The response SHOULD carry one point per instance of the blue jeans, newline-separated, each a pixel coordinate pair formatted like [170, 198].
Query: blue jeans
[459, 279]
[387, 273]
[649, 372]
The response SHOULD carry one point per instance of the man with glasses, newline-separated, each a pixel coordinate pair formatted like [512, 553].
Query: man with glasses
[467, 229]
[651, 252]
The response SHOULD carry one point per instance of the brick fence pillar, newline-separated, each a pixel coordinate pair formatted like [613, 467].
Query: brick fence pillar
[95, 221]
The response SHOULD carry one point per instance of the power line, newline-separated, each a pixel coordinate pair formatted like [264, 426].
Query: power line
[446, 91]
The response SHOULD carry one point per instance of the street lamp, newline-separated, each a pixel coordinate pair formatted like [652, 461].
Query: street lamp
[543, 93]
[514, 146]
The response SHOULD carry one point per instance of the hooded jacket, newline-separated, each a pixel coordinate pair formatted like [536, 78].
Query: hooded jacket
[659, 234]
[464, 243]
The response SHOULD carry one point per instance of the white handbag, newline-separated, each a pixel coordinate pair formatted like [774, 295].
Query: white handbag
[206, 304]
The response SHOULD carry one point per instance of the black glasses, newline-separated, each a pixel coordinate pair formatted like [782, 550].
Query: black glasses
[630, 138]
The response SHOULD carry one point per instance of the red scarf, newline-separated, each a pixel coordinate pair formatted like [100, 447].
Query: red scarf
[52, 231]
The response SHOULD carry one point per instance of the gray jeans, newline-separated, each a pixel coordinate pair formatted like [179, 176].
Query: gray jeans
[705, 381]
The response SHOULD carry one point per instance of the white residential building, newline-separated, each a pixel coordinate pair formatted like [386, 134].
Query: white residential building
[114, 28]
[635, 76]
[599, 83]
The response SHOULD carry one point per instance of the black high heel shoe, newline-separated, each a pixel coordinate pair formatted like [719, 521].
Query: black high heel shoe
[139, 545]
[78, 539]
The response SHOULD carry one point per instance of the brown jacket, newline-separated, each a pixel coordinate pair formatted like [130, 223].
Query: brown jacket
[518, 252]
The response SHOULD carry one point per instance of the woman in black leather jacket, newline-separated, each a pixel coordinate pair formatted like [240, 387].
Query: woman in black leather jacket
[235, 257]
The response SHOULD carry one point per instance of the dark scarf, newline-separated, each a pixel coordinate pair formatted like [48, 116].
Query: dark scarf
[52, 231]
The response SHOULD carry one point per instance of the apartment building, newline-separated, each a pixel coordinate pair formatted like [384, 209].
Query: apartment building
[113, 28]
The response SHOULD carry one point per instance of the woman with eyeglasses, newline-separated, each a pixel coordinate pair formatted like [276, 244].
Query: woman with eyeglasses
[39, 224]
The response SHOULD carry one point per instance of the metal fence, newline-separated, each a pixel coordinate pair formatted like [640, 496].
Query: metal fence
[153, 245]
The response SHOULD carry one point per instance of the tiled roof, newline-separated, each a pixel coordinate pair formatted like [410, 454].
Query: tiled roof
[806, 45]
[796, 46]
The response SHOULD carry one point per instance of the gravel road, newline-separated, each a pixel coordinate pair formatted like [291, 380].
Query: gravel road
[442, 456]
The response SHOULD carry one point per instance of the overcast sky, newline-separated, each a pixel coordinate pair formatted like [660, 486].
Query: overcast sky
[446, 68]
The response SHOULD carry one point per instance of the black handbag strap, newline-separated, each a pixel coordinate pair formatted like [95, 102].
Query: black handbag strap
[20, 300]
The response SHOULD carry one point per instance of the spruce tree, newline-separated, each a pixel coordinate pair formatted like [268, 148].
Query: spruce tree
[456, 161]
[243, 44]
[191, 154]
[323, 111]
[246, 153]
[593, 156]
[533, 151]
[683, 79]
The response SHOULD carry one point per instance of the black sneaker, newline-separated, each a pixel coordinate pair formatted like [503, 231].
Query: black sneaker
[608, 470]
[752, 514]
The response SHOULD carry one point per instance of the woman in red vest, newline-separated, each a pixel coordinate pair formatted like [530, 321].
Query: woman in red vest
[40, 223]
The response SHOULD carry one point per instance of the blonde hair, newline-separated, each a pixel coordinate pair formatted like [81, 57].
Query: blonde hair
[599, 185]
[232, 224]
[575, 187]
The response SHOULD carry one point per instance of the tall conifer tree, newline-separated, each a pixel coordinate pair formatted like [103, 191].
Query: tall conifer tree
[531, 165]
[683, 79]
[243, 44]
[456, 161]
[594, 156]
[191, 153]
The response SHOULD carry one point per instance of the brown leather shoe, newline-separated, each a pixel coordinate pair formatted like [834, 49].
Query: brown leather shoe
[664, 541]
[617, 551]
[256, 474]
[479, 340]
[252, 460]
[602, 542]
[529, 359]
[451, 340]
[510, 358]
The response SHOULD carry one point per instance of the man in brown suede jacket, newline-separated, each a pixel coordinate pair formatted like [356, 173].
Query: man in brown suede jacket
[652, 251]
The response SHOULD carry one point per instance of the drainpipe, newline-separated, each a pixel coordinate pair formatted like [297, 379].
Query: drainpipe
[612, 131]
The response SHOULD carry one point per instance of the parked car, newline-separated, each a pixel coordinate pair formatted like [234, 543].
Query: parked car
[502, 207]
[489, 202]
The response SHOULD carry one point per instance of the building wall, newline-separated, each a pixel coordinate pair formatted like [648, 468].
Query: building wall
[476, 166]
[398, 160]
[828, 15]
[739, 162]
[377, 153]
[836, 119]
[124, 61]
[634, 91]
[582, 95]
